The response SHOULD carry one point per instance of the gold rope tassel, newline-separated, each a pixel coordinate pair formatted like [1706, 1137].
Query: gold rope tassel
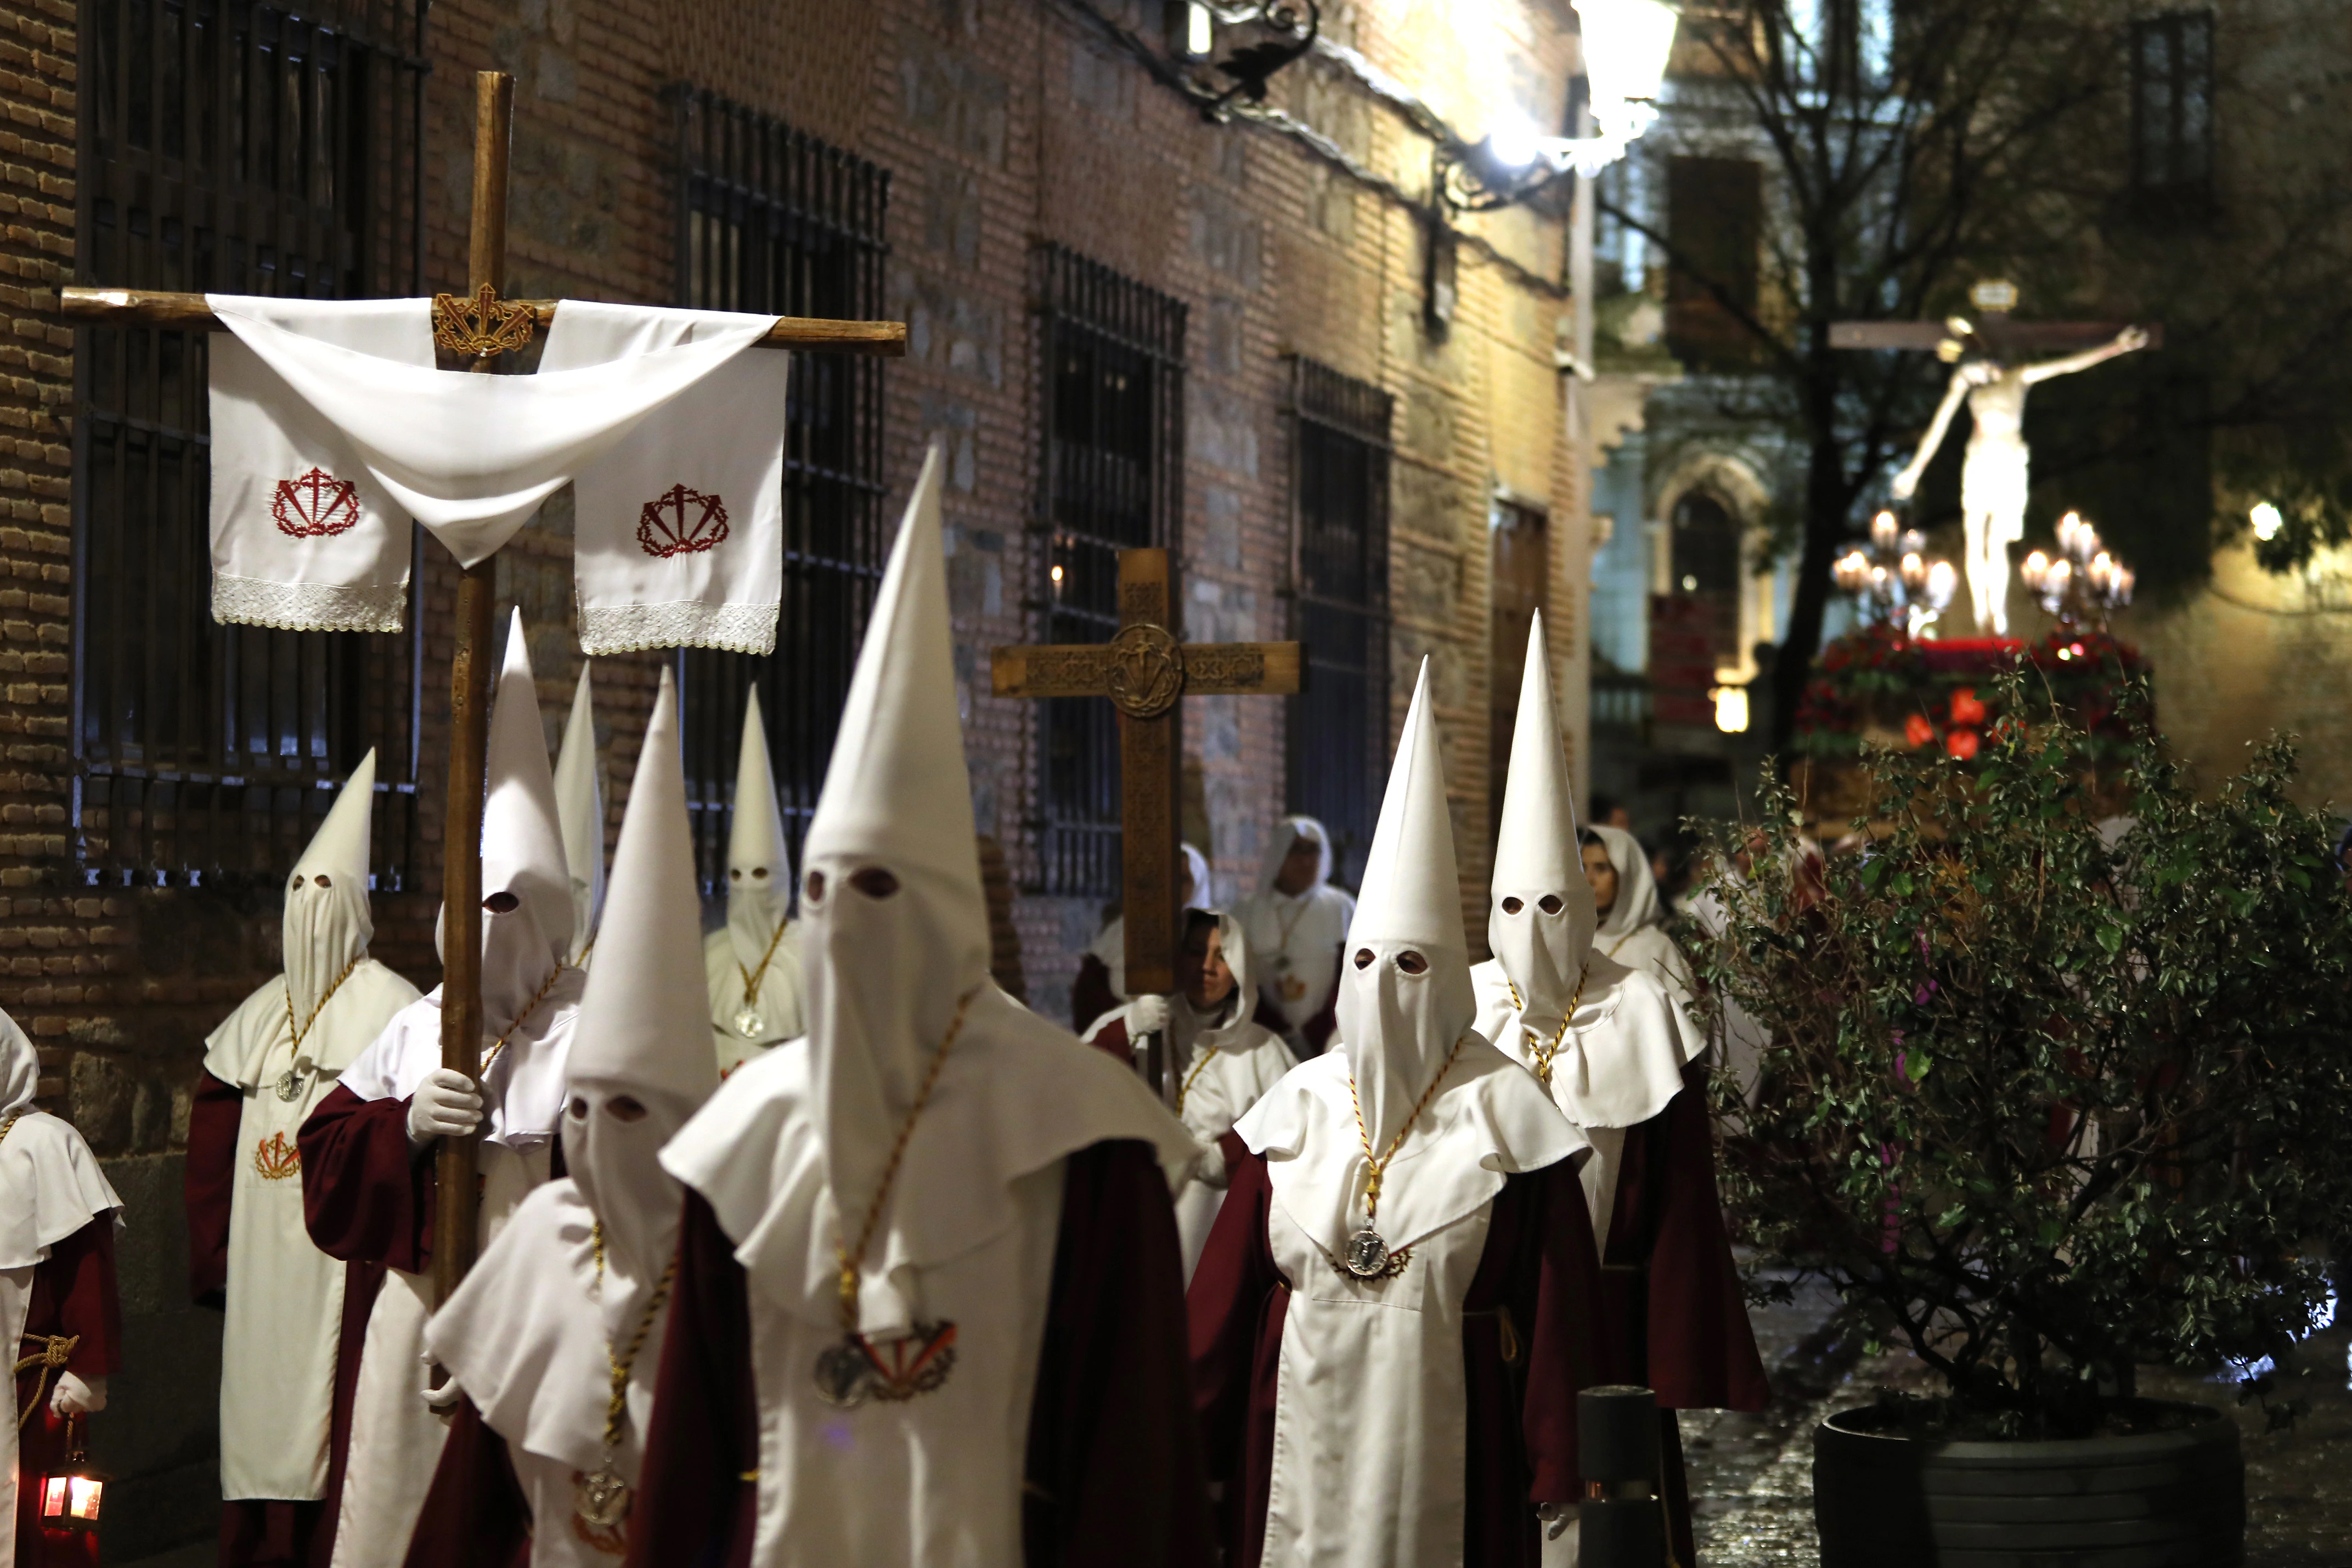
[55, 1352]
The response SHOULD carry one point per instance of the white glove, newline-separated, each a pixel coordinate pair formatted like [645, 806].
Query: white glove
[444, 1106]
[75, 1397]
[1146, 1016]
[1559, 1534]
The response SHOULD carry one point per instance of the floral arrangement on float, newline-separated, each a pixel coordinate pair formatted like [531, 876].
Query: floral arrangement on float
[1893, 683]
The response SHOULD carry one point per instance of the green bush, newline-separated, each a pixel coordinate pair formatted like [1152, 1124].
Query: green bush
[2046, 1106]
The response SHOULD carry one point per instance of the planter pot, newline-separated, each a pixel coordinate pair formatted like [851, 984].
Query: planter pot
[2163, 1499]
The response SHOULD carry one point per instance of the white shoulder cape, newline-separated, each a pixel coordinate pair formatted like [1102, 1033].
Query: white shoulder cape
[524, 1336]
[1491, 1119]
[50, 1186]
[1016, 1094]
[350, 1022]
[1624, 1054]
[525, 1086]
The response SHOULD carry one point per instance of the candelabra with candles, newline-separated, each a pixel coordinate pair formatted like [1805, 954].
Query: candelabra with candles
[1915, 590]
[2083, 582]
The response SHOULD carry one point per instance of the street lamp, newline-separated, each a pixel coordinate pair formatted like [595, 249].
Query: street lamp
[1626, 44]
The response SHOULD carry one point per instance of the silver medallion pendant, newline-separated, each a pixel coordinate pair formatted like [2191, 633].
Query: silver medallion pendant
[746, 1024]
[290, 1085]
[1367, 1257]
[843, 1373]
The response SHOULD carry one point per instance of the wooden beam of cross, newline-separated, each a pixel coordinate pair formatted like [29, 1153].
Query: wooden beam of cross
[1991, 327]
[480, 326]
[1145, 672]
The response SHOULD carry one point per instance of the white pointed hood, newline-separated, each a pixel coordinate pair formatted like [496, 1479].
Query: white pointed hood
[580, 807]
[522, 849]
[1544, 941]
[326, 925]
[883, 975]
[758, 861]
[1399, 1027]
[643, 1030]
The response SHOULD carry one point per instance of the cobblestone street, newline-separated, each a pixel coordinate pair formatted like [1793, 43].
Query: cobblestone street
[1751, 1476]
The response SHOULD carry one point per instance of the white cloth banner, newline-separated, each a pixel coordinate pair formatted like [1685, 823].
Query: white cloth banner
[303, 536]
[679, 531]
[330, 448]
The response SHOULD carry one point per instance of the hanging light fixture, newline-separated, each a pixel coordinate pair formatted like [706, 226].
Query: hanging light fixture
[1626, 44]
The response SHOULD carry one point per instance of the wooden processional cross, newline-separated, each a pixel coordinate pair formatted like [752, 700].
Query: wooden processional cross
[1991, 327]
[1145, 672]
[478, 329]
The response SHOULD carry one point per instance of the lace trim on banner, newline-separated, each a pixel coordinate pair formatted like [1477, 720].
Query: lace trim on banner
[309, 606]
[689, 623]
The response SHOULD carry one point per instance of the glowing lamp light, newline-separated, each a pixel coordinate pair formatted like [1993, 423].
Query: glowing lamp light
[1200, 30]
[1730, 709]
[1057, 576]
[71, 1498]
[1513, 142]
[2266, 519]
[1914, 572]
[1943, 582]
[1626, 43]
[1851, 571]
[1883, 530]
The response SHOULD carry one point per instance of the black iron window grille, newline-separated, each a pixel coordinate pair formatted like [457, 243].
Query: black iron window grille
[1113, 480]
[771, 219]
[244, 149]
[1339, 490]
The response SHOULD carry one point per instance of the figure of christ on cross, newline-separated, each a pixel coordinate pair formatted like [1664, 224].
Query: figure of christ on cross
[1989, 380]
[1145, 672]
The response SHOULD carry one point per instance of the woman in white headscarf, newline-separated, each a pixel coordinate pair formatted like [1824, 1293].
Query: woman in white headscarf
[1218, 1058]
[1626, 892]
[1297, 924]
[58, 1313]
[1101, 984]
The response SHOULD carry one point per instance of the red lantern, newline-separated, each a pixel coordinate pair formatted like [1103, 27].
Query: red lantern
[1967, 707]
[70, 1497]
[1962, 743]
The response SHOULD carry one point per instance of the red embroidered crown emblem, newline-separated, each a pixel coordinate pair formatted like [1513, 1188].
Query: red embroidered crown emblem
[680, 522]
[275, 1159]
[315, 505]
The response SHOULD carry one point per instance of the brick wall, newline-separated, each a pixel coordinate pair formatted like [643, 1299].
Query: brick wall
[1005, 124]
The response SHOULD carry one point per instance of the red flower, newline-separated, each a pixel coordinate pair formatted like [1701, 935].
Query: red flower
[1917, 730]
[1962, 743]
[1966, 708]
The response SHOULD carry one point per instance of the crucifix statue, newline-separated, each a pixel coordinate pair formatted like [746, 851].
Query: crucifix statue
[1144, 671]
[477, 327]
[1990, 376]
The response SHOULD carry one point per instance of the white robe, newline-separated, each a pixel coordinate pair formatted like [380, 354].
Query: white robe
[396, 1436]
[1383, 1357]
[283, 1319]
[1295, 943]
[969, 1239]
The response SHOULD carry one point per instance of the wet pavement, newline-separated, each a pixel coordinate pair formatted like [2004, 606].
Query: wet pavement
[1751, 1476]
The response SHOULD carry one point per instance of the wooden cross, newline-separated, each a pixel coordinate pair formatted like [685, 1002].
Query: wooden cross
[1992, 326]
[479, 327]
[1144, 670]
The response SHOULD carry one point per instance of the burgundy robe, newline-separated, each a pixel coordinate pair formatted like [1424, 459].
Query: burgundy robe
[254, 1531]
[73, 1295]
[1114, 1471]
[1677, 1309]
[475, 1516]
[1090, 994]
[367, 1198]
[1538, 1265]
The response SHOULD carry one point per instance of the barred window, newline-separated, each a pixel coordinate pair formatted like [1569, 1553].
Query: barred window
[240, 148]
[1113, 479]
[771, 219]
[1339, 724]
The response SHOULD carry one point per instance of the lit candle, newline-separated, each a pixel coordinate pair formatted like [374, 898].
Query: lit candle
[1914, 572]
[1943, 581]
[2035, 572]
[1883, 530]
